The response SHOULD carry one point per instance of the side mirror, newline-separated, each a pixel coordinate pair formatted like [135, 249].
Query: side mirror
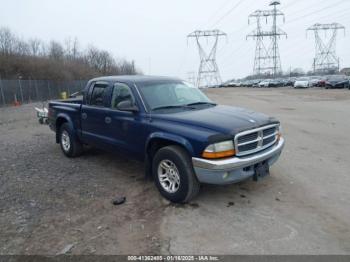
[127, 105]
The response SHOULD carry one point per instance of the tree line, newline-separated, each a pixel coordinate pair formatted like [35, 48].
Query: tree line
[35, 59]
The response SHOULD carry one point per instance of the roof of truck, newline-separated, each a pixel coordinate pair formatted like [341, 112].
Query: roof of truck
[134, 78]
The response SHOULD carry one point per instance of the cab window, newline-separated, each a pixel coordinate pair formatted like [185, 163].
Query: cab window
[98, 94]
[121, 92]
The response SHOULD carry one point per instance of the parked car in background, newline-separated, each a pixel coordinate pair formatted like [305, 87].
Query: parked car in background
[246, 83]
[289, 81]
[337, 81]
[265, 83]
[276, 83]
[256, 82]
[183, 137]
[322, 81]
[314, 81]
[251, 83]
[282, 81]
[231, 84]
[234, 84]
[302, 82]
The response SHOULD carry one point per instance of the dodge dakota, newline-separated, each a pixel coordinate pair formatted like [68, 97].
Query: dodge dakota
[183, 137]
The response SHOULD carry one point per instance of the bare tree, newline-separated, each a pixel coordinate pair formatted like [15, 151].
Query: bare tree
[55, 50]
[55, 61]
[35, 46]
[21, 48]
[7, 40]
[72, 48]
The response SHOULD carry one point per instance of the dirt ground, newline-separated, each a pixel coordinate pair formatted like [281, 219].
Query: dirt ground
[50, 204]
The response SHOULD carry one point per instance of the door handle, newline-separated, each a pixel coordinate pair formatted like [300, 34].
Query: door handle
[108, 120]
[83, 115]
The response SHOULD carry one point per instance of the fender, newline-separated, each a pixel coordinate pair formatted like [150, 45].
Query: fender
[68, 120]
[165, 136]
[171, 137]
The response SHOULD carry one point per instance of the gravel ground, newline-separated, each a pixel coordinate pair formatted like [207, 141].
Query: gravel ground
[50, 204]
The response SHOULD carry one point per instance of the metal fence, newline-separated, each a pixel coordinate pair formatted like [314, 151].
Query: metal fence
[27, 91]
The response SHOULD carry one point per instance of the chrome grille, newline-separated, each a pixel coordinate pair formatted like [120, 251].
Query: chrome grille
[251, 141]
[247, 138]
[269, 131]
[248, 147]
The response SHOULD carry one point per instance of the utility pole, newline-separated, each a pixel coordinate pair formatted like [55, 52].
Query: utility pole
[2, 92]
[20, 89]
[326, 60]
[267, 60]
[208, 72]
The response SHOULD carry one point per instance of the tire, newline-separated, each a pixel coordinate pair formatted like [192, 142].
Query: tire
[69, 143]
[174, 163]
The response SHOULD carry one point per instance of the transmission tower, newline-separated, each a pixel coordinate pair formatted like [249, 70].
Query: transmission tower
[261, 54]
[208, 73]
[326, 60]
[267, 60]
[191, 77]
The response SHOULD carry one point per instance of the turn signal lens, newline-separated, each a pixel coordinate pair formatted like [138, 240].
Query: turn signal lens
[219, 150]
[279, 135]
[214, 155]
[279, 132]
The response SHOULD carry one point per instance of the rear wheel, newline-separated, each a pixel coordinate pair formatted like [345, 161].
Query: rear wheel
[174, 175]
[70, 145]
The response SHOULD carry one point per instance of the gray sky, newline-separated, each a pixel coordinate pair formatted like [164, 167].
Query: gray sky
[153, 32]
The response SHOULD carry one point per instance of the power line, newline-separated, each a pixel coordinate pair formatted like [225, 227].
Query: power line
[218, 10]
[314, 12]
[228, 12]
[292, 3]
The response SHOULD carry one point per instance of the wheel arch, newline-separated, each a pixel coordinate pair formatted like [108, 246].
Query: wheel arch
[159, 140]
[60, 120]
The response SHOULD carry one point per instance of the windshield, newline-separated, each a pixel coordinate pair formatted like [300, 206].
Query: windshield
[172, 94]
[337, 77]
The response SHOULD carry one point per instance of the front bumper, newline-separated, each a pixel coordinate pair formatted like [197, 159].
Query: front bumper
[235, 169]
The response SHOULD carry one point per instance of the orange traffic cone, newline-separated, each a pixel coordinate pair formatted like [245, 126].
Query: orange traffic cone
[16, 103]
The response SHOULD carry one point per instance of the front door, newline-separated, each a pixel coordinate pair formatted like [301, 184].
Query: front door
[125, 129]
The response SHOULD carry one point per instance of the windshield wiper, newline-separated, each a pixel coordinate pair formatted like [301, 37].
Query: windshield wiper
[171, 106]
[201, 103]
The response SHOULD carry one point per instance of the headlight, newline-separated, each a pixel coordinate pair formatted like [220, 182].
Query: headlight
[219, 150]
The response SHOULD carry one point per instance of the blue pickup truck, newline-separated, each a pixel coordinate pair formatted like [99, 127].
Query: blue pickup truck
[183, 137]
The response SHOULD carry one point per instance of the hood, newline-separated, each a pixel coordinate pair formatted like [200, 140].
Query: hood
[222, 119]
[334, 82]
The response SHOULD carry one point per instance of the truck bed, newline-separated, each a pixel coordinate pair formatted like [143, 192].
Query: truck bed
[75, 100]
[62, 107]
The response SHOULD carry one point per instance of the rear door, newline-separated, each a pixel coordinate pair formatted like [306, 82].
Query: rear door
[94, 115]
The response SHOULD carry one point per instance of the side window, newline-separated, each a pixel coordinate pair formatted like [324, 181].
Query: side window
[97, 95]
[121, 92]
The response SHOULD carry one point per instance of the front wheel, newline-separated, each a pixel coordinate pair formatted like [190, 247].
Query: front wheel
[174, 175]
